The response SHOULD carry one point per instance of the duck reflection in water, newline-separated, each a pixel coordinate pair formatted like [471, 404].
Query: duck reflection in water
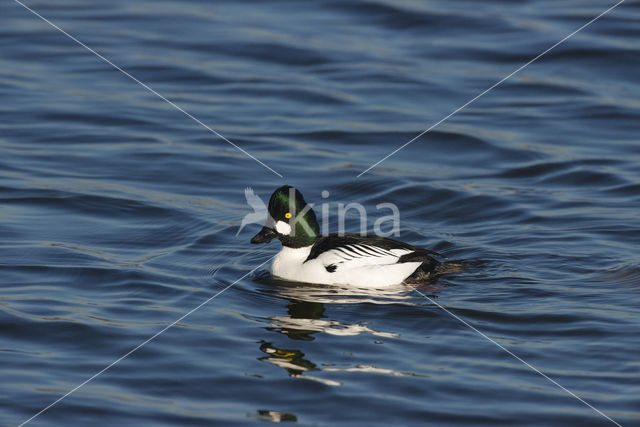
[304, 320]
[298, 325]
[307, 318]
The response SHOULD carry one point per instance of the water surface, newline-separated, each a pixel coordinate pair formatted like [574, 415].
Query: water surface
[118, 214]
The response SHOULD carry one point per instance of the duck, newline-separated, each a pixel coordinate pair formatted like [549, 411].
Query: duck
[337, 259]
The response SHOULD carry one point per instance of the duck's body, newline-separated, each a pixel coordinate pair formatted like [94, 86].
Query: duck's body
[362, 261]
[352, 260]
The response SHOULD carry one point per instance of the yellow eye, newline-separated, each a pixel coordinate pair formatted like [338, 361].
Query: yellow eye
[287, 215]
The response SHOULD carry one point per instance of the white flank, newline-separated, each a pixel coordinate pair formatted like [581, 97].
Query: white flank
[344, 267]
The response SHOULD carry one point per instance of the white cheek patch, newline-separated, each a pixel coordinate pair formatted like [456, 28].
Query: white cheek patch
[283, 228]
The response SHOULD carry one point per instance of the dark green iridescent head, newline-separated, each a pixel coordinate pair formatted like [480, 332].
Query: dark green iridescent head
[291, 220]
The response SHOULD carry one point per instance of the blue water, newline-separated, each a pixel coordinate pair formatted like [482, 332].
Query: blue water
[119, 214]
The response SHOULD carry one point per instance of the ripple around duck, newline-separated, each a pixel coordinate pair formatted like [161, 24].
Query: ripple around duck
[332, 294]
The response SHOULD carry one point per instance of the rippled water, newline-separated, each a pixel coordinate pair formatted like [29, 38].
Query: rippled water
[118, 214]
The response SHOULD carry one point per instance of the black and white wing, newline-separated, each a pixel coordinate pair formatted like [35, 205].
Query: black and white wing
[359, 255]
[340, 252]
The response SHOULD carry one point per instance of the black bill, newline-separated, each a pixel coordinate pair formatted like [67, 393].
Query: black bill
[265, 235]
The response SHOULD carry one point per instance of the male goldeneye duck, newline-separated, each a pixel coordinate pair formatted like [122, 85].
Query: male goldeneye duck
[349, 259]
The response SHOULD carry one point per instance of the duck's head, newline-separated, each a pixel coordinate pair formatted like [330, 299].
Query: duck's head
[290, 219]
